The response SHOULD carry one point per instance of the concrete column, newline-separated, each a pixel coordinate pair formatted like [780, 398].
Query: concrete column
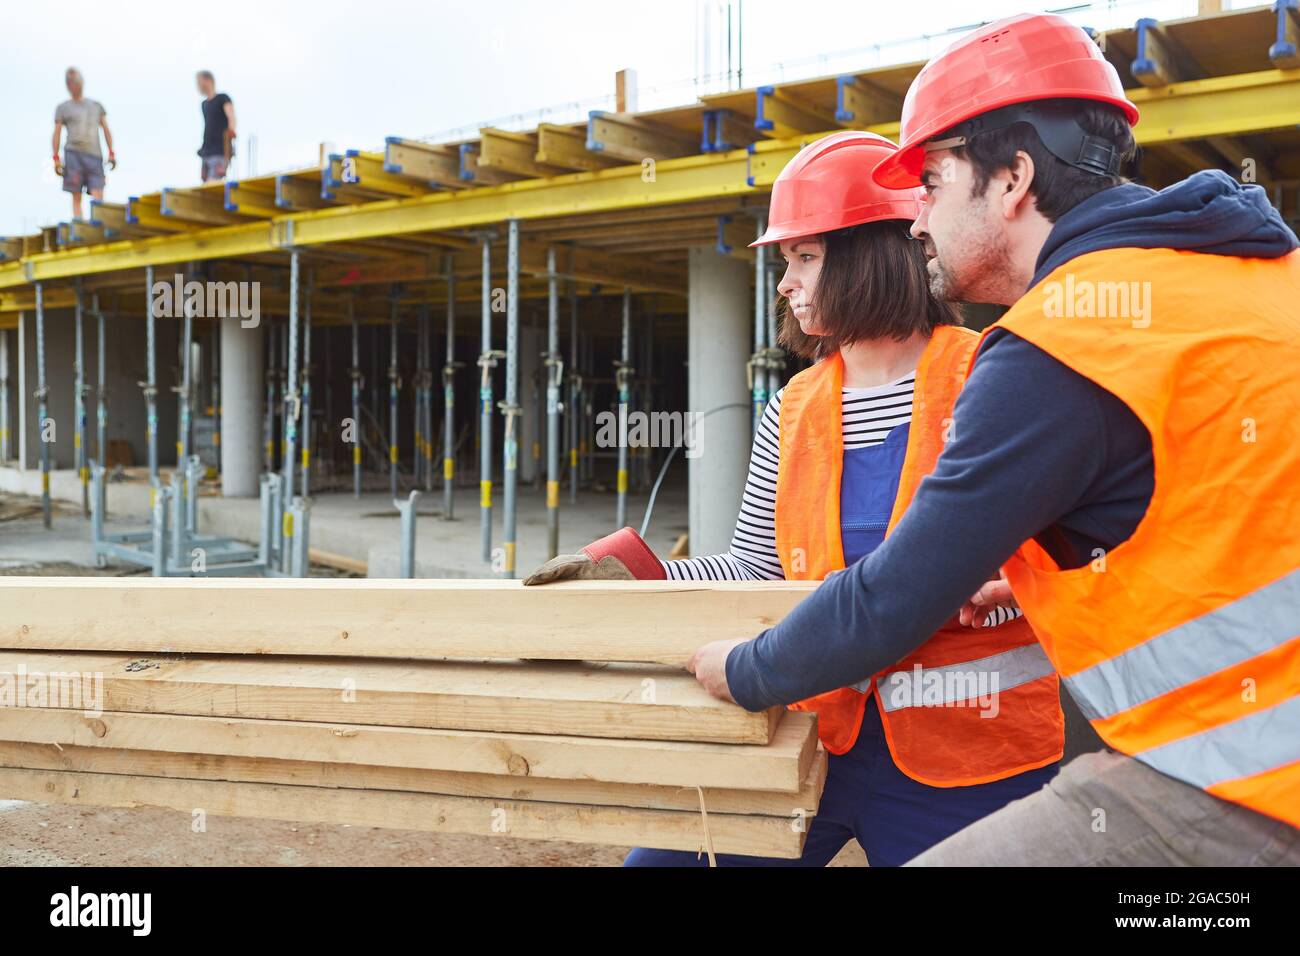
[719, 318]
[242, 408]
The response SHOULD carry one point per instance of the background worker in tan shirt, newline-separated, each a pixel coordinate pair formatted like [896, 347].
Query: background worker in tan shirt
[82, 166]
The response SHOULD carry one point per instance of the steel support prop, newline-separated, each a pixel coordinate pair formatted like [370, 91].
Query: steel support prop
[510, 407]
[554, 366]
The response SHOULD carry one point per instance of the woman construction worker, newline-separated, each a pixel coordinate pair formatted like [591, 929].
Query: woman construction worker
[835, 461]
[1132, 463]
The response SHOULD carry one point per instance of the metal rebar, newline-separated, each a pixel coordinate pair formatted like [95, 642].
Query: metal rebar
[101, 410]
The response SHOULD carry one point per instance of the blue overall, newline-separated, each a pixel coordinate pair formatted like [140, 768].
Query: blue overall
[866, 796]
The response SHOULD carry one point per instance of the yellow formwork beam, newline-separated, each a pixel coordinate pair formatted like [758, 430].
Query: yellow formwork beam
[1199, 109]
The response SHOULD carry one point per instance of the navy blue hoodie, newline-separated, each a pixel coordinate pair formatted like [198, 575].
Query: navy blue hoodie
[1039, 452]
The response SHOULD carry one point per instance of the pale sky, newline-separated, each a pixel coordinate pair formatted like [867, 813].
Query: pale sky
[351, 73]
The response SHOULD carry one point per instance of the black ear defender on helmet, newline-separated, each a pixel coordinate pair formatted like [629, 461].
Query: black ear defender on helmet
[1057, 127]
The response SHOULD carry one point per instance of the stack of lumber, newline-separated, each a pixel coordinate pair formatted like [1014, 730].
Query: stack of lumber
[479, 707]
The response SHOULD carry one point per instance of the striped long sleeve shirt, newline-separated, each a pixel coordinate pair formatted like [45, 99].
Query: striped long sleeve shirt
[867, 415]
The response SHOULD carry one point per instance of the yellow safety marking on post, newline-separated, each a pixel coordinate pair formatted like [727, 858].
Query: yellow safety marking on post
[306, 457]
[573, 458]
[287, 525]
[510, 556]
[45, 481]
[178, 449]
[76, 440]
[392, 454]
[216, 439]
[552, 494]
[449, 468]
[537, 450]
[485, 494]
[85, 475]
[622, 480]
[153, 493]
[356, 454]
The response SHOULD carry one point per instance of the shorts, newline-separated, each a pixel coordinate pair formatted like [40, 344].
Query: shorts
[214, 167]
[82, 171]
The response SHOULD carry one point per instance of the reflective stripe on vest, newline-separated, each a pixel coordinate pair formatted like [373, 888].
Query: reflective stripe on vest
[1236, 632]
[1241, 748]
[961, 682]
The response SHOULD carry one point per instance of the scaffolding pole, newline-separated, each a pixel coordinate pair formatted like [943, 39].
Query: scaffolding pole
[306, 386]
[268, 428]
[758, 362]
[449, 398]
[215, 392]
[575, 394]
[150, 385]
[79, 383]
[101, 410]
[4, 392]
[354, 373]
[487, 361]
[554, 376]
[622, 372]
[393, 389]
[40, 396]
[417, 418]
[184, 389]
[510, 407]
[288, 456]
[776, 358]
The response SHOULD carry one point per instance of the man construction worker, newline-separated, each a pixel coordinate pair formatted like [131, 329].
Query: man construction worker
[218, 146]
[82, 165]
[1126, 448]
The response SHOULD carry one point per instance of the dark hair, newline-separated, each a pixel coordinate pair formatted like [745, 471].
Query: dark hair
[873, 285]
[206, 75]
[1057, 187]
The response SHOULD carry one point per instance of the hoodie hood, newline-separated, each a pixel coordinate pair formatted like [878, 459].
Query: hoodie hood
[1209, 212]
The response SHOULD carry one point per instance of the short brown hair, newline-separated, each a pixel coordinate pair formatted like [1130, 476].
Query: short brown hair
[873, 285]
[1057, 187]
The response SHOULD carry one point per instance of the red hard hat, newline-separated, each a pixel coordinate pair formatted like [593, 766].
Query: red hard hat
[828, 186]
[1031, 56]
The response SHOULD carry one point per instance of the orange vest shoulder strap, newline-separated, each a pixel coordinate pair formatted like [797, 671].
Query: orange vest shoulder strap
[939, 378]
[809, 469]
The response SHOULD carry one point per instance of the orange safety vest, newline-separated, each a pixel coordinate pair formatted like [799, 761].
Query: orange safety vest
[930, 702]
[1182, 644]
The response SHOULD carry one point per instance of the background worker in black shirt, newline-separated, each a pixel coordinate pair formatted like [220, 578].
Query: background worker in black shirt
[218, 128]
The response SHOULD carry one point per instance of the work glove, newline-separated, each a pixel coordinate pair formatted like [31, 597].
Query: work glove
[621, 556]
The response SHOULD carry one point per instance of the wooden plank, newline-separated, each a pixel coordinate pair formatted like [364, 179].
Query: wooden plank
[611, 826]
[772, 803]
[660, 622]
[781, 765]
[646, 702]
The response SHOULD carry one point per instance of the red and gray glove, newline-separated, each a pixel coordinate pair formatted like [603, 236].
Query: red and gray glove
[621, 556]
